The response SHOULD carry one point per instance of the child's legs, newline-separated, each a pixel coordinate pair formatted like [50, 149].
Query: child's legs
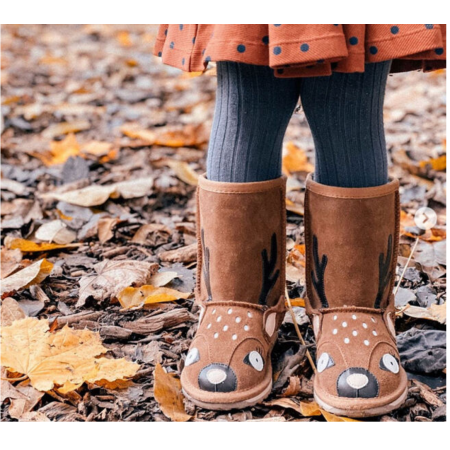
[253, 109]
[345, 114]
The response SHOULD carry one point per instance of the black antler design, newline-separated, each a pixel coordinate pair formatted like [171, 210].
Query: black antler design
[206, 266]
[318, 277]
[268, 266]
[385, 272]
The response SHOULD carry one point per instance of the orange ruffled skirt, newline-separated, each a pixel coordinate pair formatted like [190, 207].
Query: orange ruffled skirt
[304, 50]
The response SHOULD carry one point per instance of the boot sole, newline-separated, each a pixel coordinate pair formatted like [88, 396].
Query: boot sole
[371, 412]
[227, 406]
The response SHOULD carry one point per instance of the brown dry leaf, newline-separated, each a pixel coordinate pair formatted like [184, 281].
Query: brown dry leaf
[183, 254]
[146, 295]
[434, 312]
[65, 358]
[55, 231]
[105, 228]
[10, 261]
[439, 163]
[141, 234]
[65, 128]
[11, 311]
[183, 171]
[188, 136]
[33, 274]
[97, 195]
[167, 392]
[293, 207]
[21, 406]
[111, 277]
[27, 246]
[134, 131]
[306, 409]
[162, 278]
[102, 150]
[295, 160]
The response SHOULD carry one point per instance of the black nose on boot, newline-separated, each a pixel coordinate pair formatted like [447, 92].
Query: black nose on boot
[357, 382]
[217, 378]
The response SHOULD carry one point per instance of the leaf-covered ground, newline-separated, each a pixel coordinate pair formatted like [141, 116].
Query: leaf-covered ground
[101, 149]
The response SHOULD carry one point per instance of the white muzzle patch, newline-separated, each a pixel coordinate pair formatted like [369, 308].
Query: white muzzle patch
[357, 380]
[216, 376]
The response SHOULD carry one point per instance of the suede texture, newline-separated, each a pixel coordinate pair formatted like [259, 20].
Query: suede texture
[240, 282]
[351, 247]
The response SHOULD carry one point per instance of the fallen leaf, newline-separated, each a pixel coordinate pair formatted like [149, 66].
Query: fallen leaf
[111, 277]
[294, 208]
[96, 195]
[55, 231]
[65, 358]
[167, 392]
[30, 247]
[10, 261]
[21, 406]
[183, 171]
[333, 418]
[134, 131]
[11, 311]
[439, 163]
[146, 295]
[434, 312]
[182, 254]
[65, 128]
[141, 235]
[162, 278]
[60, 151]
[105, 228]
[33, 274]
[295, 160]
[306, 409]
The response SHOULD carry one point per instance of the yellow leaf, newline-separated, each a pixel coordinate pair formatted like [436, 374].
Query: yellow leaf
[293, 207]
[131, 297]
[439, 163]
[29, 246]
[124, 38]
[333, 418]
[33, 274]
[295, 160]
[304, 408]
[66, 358]
[135, 132]
[298, 302]
[183, 171]
[167, 392]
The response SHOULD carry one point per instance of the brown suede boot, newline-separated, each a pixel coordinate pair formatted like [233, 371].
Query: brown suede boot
[240, 290]
[351, 255]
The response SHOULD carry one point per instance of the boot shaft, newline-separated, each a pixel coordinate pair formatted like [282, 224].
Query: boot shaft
[351, 245]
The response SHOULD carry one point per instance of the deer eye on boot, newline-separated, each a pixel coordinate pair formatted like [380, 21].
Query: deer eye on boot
[325, 361]
[255, 360]
[389, 363]
[192, 357]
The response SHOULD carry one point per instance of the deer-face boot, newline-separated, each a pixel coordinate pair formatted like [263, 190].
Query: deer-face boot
[240, 291]
[351, 256]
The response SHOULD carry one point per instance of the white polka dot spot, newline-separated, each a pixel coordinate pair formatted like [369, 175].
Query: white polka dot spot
[355, 333]
[219, 319]
[374, 333]
[246, 327]
[209, 326]
[229, 311]
[249, 314]
[216, 335]
[344, 324]
[346, 340]
[364, 325]
[234, 337]
[354, 317]
[373, 320]
[214, 311]
[335, 318]
[238, 319]
[366, 342]
[225, 328]
[335, 331]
